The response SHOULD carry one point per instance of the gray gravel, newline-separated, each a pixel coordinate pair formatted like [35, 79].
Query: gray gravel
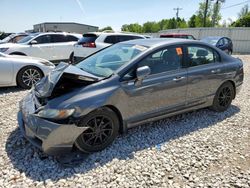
[198, 149]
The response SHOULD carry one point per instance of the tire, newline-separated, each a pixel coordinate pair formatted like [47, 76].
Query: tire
[98, 136]
[28, 76]
[223, 98]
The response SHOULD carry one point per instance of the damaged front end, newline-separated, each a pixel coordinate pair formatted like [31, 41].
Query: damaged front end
[53, 130]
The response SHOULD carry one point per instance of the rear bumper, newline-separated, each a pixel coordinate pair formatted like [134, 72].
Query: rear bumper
[50, 137]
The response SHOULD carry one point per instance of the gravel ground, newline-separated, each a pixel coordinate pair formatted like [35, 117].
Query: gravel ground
[198, 149]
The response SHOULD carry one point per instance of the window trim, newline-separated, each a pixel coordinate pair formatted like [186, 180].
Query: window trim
[42, 36]
[187, 64]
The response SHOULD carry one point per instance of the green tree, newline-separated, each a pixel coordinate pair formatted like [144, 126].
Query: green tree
[243, 22]
[182, 23]
[244, 11]
[136, 28]
[151, 27]
[216, 16]
[192, 21]
[106, 28]
[200, 15]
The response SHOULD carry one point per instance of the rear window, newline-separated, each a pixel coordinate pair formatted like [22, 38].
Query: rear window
[166, 36]
[59, 38]
[113, 39]
[71, 38]
[87, 38]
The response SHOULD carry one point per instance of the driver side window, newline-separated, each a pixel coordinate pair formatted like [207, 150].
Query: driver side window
[168, 59]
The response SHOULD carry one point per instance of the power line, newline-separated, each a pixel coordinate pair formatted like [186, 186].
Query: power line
[236, 4]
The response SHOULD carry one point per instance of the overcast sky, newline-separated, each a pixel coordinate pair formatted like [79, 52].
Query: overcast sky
[20, 15]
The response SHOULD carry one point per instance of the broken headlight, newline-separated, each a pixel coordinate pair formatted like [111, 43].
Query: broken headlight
[55, 113]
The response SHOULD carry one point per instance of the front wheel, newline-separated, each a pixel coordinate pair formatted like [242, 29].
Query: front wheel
[223, 97]
[28, 76]
[103, 127]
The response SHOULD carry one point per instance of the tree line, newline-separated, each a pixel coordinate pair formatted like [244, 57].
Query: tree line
[213, 19]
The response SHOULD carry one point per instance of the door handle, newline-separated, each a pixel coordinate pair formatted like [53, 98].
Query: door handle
[178, 78]
[215, 71]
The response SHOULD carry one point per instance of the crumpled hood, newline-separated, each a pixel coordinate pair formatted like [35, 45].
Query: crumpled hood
[45, 86]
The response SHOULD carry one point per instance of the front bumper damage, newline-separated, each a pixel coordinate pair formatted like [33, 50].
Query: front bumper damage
[50, 137]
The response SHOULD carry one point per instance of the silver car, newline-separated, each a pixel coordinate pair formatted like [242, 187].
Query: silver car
[22, 70]
[127, 84]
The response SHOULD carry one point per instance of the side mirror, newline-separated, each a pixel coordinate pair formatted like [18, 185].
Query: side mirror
[33, 42]
[141, 74]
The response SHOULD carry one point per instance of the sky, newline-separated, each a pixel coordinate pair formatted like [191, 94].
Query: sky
[21, 15]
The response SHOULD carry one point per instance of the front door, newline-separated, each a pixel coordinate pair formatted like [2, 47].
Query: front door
[163, 91]
[43, 49]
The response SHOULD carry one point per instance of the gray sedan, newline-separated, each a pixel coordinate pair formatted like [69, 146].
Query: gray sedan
[127, 84]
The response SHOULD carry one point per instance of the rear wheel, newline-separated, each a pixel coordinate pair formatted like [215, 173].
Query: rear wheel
[103, 126]
[223, 97]
[29, 76]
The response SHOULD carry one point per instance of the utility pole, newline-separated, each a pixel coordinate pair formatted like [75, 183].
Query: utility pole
[215, 14]
[177, 15]
[205, 14]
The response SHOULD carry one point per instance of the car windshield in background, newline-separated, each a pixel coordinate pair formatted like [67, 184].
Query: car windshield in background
[210, 40]
[107, 61]
[26, 39]
[6, 39]
[87, 38]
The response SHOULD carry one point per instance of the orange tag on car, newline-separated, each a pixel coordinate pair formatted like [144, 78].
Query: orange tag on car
[179, 51]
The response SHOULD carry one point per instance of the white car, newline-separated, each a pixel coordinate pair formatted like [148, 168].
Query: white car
[22, 71]
[95, 41]
[54, 47]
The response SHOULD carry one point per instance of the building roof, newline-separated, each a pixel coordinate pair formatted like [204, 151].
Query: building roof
[66, 23]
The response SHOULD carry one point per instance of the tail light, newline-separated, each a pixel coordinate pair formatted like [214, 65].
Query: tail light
[89, 45]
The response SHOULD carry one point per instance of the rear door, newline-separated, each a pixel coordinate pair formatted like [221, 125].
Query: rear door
[163, 91]
[205, 73]
[62, 46]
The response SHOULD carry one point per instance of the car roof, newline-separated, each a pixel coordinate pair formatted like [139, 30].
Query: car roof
[176, 34]
[114, 33]
[160, 41]
[54, 33]
[214, 37]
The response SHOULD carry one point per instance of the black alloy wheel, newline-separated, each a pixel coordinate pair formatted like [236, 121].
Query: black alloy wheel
[103, 126]
[223, 97]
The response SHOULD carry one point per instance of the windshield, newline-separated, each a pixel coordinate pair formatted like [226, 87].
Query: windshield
[6, 39]
[211, 40]
[26, 39]
[107, 61]
[2, 55]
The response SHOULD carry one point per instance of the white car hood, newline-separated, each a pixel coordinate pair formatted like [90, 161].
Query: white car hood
[21, 57]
